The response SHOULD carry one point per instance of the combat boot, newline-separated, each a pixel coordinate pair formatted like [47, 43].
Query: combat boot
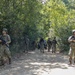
[9, 60]
[70, 63]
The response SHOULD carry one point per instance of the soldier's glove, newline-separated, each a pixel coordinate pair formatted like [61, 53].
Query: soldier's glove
[73, 40]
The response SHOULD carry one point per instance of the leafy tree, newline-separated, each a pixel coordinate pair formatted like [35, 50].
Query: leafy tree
[62, 20]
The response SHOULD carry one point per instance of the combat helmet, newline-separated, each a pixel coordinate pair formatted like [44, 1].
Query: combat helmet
[73, 31]
[5, 29]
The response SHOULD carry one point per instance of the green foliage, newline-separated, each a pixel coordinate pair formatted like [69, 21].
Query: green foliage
[22, 18]
[62, 19]
[34, 18]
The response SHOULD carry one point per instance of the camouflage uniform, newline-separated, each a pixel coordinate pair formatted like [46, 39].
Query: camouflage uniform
[49, 43]
[45, 44]
[54, 42]
[42, 45]
[4, 50]
[72, 46]
[34, 45]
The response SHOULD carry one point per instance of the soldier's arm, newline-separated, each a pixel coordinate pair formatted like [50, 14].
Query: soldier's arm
[73, 40]
[9, 40]
[70, 40]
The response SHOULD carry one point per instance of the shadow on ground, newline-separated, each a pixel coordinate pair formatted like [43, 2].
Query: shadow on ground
[35, 63]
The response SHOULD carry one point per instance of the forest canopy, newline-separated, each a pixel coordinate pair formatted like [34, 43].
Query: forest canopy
[35, 18]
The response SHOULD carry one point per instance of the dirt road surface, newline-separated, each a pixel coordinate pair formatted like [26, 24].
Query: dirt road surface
[36, 63]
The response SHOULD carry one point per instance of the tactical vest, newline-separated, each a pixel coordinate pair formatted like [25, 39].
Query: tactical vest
[49, 42]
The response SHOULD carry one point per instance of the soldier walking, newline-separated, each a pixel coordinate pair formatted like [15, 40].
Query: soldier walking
[49, 44]
[45, 44]
[34, 45]
[42, 45]
[4, 46]
[54, 42]
[71, 40]
[26, 44]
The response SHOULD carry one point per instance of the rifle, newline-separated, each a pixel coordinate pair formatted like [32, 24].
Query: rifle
[3, 42]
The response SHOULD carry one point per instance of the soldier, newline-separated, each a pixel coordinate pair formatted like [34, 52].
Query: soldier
[42, 45]
[49, 44]
[38, 45]
[45, 44]
[4, 48]
[71, 40]
[34, 45]
[54, 42]
[27, 44]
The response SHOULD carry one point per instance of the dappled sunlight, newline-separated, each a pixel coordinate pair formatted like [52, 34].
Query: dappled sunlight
[36, 63]
[34, 37]
[50, 65]
[44, 70]
[32, 52]
[17, 68]
[51, 70]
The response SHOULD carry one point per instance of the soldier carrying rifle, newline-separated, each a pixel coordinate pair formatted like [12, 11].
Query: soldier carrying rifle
[71, 40]
[4, 46]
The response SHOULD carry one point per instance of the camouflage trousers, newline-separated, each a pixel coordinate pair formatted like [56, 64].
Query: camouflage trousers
[53, 48]
[71, 55]
[26, 48]
[72, 52]
[4, 51]
[42, 48]
[49, 47]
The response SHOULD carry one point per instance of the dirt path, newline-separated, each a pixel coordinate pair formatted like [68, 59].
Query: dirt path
[36, 63]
